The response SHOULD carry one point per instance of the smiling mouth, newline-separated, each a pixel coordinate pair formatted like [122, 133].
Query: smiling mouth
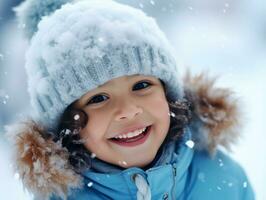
[133, 141]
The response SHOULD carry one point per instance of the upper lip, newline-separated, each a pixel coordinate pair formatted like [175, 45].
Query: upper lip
[130, 129]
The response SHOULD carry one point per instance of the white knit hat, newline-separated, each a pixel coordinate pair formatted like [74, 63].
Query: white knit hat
[83, 44]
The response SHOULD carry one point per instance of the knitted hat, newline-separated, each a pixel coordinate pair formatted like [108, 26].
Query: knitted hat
[83, 44]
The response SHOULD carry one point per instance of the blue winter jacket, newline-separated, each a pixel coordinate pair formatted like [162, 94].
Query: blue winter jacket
[194, 175]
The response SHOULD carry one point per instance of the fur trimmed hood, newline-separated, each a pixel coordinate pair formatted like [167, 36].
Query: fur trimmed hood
[43, 164]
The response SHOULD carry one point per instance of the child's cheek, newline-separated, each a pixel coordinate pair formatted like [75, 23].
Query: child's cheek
[93, 129]
[159, 108]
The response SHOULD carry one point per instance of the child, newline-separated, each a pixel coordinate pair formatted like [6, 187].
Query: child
[111, 119]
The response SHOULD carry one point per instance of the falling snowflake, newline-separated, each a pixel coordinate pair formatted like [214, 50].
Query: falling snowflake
[230, 184]
[245, 184]
[201, 177]
[16, 176]
[171, 114]
[152, 2]
[76, 117]
[3, 96]
[90, 184]
[67, 131]
[1, 56]
[100, 39]
[219, 188]
[141, 5]
[221, 163]
[226, 5]
[190, 8]
[190, 144]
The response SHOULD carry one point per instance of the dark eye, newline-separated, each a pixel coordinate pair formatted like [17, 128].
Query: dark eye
[97, 99]
[141, 85]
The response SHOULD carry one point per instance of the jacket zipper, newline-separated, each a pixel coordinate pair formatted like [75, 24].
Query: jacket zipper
[174, 180]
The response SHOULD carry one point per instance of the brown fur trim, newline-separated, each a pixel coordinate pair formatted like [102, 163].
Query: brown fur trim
[215, 112]
[41, 163]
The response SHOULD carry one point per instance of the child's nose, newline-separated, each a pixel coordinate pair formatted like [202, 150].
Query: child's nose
[127, 110]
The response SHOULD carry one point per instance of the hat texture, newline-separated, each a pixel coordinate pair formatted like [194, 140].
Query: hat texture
[84, 44]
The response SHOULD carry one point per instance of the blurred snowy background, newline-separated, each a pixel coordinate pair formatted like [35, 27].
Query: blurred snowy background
[225, 37]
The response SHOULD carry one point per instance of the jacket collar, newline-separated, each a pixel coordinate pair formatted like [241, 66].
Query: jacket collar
[174, 157]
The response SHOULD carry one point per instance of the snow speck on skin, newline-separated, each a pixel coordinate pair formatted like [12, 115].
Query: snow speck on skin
[93, 155]
[122, 162]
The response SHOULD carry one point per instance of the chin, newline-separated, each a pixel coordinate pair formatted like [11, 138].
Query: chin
[140, 164]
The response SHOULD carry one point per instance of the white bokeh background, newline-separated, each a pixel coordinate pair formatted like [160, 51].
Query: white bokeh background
[225, 37]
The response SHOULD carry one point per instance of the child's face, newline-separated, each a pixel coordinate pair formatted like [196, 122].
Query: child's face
[119, 104]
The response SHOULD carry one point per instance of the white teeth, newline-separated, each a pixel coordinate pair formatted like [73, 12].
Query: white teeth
[131, 134]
